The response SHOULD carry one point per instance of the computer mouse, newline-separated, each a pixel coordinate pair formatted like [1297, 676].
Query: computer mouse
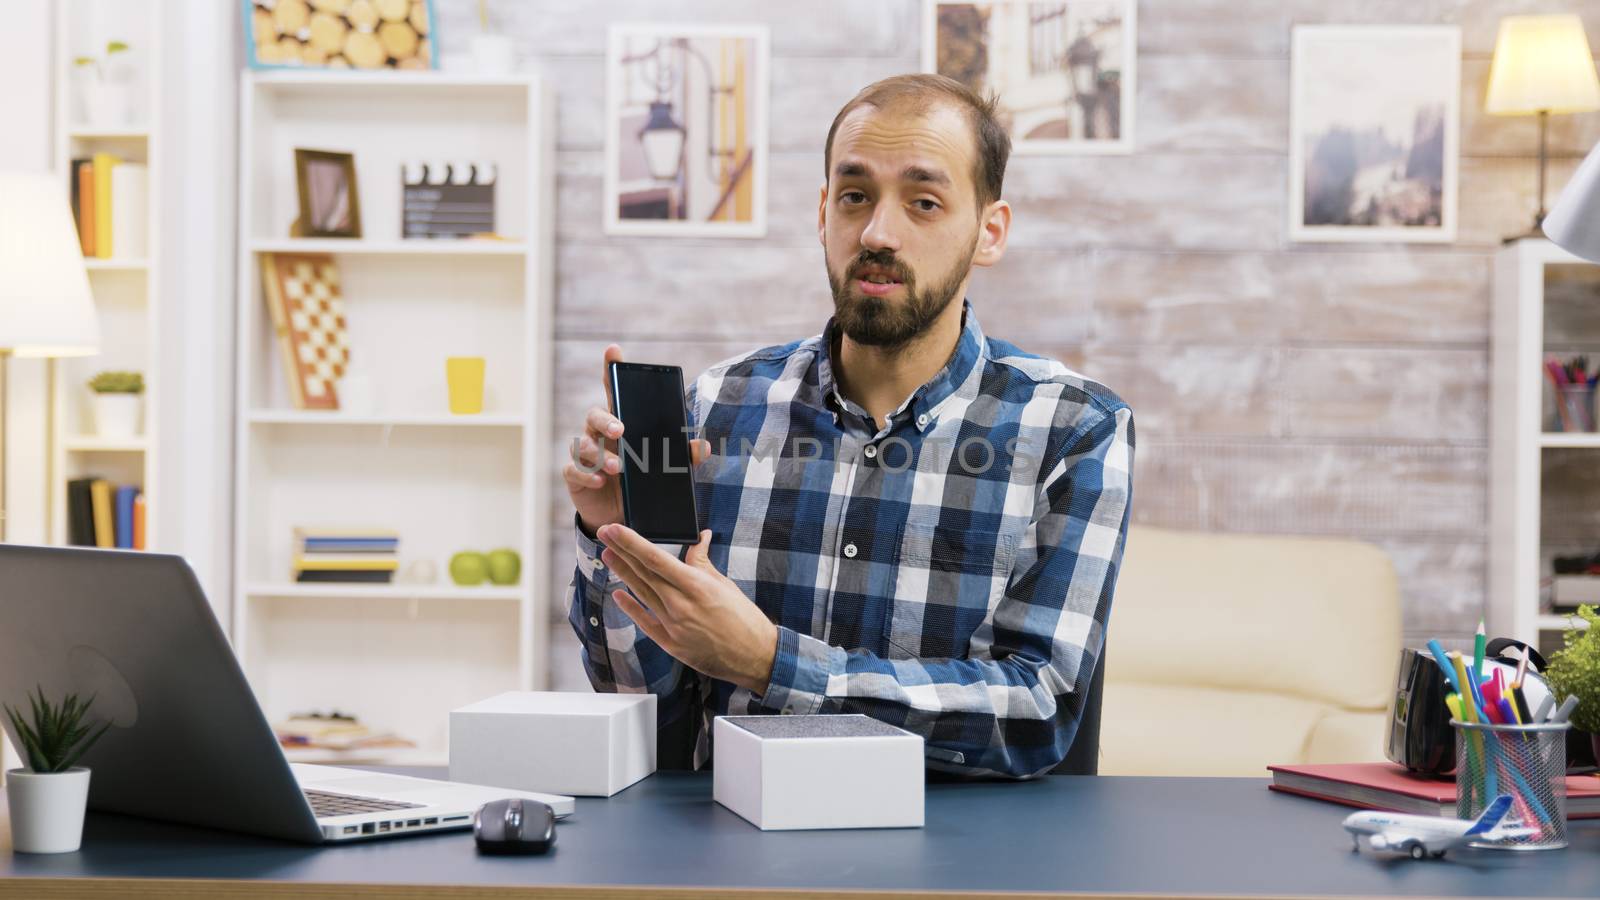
[514, 826]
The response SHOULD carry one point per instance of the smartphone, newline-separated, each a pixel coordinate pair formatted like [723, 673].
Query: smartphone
[657, 476]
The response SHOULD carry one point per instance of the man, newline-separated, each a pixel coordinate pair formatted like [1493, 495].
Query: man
[902, 517]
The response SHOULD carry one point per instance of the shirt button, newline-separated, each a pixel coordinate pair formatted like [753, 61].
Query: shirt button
[871, 451]
[922, 421]
[850, 550]
[594, 622]
[598, 565]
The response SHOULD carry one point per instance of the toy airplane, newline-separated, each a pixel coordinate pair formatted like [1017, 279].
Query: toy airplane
[1421, 836]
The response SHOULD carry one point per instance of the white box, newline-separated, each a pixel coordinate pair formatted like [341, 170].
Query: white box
[588, 745]
[792, 772]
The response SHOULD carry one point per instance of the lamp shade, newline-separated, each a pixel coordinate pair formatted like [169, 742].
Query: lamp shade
[45, 305]
[1542, 64]
[1574, 222]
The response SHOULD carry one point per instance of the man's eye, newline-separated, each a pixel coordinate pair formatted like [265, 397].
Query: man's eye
[852, 197]
[925, 205]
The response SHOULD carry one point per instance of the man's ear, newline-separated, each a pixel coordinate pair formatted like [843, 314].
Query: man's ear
[822, 215]
[993, 230]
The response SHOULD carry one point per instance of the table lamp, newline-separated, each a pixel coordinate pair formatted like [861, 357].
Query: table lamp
[46, 309]
[1542, 65]
[1574, 223]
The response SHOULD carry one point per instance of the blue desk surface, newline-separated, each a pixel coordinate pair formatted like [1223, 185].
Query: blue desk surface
[1066, 835]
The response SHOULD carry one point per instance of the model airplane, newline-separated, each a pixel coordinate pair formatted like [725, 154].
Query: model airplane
[1424, 835]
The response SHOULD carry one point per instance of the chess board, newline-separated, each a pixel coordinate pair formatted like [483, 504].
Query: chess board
[302, 293]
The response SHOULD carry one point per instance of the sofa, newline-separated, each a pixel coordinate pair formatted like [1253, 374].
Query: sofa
[1228, 653]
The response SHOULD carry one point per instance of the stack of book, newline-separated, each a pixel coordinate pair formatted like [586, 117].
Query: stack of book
[341, 555]
[101, 514]
[110, 201]
[1388, 787]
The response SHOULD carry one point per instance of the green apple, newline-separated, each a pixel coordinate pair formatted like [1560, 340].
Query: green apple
[505, 566]
[468, 568]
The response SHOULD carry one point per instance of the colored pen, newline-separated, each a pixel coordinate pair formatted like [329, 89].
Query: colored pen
[1508, 715]
[1444, 663]
[1542, 714]
[1524, 715]
[1466, 686]
[1522, 666]
[1479, 642]
[1566, 708]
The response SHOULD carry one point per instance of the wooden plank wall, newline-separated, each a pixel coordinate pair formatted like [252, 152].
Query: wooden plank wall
[1298, 389]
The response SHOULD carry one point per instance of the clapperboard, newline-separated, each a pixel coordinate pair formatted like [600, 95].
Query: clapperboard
[448, 199]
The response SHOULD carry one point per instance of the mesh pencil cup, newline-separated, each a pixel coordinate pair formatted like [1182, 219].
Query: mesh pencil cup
[1529, 762]
[1576, 412]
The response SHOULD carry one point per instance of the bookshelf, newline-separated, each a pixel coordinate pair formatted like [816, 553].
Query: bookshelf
[125, 286]
[398, 656]
[1546, 302]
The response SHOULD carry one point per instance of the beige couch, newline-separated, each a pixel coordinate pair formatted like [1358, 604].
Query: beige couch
[1229, 653]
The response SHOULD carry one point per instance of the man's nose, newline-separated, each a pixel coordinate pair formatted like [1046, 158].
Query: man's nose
[883, 231]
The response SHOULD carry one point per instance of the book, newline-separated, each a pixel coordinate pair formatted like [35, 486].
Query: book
[138, 521]
[130, 209]
[103, 164]
[1389, 787]
[124, 504]
[84, 170]
[346, 563]
[104, 526]
[80, 513]
[338, 576]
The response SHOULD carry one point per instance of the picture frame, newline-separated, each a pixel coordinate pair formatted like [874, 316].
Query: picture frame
[376, 34]
[1388, 94]
[687, 130]
[1067, 75]
[330, 204]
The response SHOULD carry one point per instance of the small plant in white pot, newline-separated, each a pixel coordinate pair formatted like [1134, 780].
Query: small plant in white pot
[118, 401]
[48, 799]
[107, 101]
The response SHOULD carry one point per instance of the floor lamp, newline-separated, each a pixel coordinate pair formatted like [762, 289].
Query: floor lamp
[46, 309]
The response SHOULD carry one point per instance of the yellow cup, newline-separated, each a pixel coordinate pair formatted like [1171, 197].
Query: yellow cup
[465, 377]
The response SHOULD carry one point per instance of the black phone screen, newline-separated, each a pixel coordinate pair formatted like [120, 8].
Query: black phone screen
[657, 480]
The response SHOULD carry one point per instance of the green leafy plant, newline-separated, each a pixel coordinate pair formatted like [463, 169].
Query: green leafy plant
[112, 48]
[1575, 670]
[57, 738]
[117, 383]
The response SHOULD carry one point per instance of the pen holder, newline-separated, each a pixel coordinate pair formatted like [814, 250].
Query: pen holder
[1575, 410]
[1529, 762]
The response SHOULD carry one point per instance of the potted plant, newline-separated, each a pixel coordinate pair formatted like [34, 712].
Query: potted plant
[117, 403]
[492, 54]
[106, 101]
[1575, 671]
[48, 799]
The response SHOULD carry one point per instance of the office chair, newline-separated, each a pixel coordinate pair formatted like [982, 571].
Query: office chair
[1083, 758]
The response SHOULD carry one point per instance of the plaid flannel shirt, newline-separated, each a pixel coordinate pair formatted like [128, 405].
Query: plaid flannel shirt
[949, 572]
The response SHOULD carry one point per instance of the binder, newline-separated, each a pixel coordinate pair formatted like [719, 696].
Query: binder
[130, 207]
[138, 521]
[125, 497]
[103, 164]
[80, 513]
[84, 170]
[104, 526]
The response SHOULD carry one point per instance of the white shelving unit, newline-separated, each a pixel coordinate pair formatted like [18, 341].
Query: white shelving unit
[1520, 446]
[124, 287]
[399, 656]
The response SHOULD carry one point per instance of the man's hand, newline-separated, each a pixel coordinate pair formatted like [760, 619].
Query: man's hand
[592, 473]
[692, 611]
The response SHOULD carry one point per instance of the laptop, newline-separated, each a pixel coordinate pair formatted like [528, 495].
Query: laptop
[188, 743]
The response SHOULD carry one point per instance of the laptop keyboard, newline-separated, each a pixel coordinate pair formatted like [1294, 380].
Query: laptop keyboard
[325, 804]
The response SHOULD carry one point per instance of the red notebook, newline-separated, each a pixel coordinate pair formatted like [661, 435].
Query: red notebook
[1391, 788]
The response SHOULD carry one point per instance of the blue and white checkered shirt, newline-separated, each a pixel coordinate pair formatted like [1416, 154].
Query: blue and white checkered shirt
[950, 572]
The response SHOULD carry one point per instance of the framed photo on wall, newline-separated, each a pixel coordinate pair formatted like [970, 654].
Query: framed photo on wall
[686, 130]
[1066, 73]
[1374, 132]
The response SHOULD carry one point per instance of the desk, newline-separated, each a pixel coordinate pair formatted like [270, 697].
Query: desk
[664, 837]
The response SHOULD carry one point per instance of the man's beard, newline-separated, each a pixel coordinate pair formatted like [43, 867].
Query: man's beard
[880, 322]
